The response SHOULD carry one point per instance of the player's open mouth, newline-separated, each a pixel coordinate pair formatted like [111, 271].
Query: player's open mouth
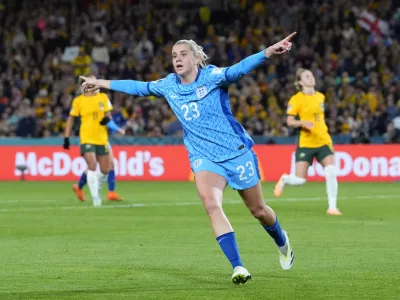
[178, 67]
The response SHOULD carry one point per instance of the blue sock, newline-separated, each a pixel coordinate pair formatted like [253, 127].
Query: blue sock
[275, 231]
[111, 180]
[228, 245]
[82, 181]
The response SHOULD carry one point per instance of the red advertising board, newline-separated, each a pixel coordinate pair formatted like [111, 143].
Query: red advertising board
[170, 163]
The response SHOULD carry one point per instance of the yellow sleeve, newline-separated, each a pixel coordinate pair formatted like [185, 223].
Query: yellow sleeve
[75, 109]
[293, 107]
[107, 105]
[323, 102]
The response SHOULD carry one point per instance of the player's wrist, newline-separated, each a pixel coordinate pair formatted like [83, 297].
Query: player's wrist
[268, 52]
[102, 83]
[300, 124]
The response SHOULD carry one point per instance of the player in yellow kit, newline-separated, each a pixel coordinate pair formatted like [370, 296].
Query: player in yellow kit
[314, 139]
[94, 108]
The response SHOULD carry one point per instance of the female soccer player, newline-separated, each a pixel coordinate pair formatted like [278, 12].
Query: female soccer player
[95, 111]
[314, 140]
[219, 147]
[112, 194]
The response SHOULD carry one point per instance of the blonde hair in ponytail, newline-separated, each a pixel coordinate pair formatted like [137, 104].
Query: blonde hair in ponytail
[197, 50]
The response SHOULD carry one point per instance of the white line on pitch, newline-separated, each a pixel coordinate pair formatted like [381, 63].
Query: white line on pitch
[196, 202]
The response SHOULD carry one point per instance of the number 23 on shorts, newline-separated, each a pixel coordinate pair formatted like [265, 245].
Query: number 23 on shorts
[246, 171]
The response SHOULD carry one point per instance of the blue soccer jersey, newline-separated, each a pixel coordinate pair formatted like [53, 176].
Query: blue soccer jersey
[203, 108]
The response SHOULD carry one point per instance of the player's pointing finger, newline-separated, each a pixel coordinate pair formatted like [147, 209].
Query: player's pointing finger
[290, 36]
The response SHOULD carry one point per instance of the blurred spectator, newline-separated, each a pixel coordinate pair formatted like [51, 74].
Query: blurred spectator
[393, 134]
[27, 124]
[100, 55]
[82, 63]
[118, 116]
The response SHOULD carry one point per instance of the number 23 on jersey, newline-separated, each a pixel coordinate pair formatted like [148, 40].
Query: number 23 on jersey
[190, 111]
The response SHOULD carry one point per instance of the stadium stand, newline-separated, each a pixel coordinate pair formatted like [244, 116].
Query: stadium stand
[352, 49]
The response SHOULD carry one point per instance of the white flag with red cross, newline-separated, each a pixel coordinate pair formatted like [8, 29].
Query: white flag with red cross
[370, 22]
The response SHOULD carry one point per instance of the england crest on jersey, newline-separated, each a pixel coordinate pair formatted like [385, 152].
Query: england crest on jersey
[322, 106]
[201, 92]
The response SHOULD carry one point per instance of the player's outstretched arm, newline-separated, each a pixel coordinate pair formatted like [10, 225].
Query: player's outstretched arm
[91, 84]
[131, 87]
[245, 66]
[114, 127]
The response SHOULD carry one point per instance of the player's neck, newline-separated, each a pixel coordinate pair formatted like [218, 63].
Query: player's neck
[308, 90]
[190, 77]
[90, 94]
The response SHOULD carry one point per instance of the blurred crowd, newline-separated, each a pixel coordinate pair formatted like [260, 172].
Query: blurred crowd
[46, 45]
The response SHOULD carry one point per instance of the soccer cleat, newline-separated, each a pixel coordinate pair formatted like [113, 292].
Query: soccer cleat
[279, 186]
[240, 275]
[333, 212]
[288, 259]
[78, 192]
[113, 196]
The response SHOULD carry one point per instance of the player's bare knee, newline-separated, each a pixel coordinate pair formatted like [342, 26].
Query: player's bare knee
[91, 166]
[211, 206]
[259, 212]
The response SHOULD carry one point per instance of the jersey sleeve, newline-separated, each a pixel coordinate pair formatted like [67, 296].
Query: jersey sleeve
[293, 107]
[232, 74]
[158, 87]
[139, 88]
[217, 75]
[75, 109]
[245, 66]
[107, 104]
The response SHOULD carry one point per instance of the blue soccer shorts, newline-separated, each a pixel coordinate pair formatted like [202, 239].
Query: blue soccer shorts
[240, 172]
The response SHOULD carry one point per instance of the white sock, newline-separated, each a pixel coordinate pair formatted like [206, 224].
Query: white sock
[284, 249]
[102, 178]
[93, 184]
[331, 186]
[294, 180]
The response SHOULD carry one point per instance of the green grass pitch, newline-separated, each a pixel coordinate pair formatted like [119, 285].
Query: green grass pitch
[158, 244]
